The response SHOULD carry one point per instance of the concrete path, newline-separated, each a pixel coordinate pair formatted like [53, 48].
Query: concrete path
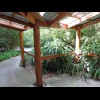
[25, 49]
[65, 80]
[12, 75]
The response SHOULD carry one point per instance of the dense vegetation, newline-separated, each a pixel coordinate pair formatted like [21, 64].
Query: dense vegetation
[59, 41]
[28, 38]
[54, 41]
[9, 39]
[91, 44]
[8, 54]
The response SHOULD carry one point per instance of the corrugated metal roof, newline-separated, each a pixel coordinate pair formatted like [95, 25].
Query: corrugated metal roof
[48, 16]
[6, 13]
[93, 18]
[17, 16]
[69, 20]
[78, 15]
[21, 18]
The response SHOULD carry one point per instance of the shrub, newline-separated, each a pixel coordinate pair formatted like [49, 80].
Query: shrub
[91, 44]
[56, 41]
[28, 38]
[9, 39]
[8, 54]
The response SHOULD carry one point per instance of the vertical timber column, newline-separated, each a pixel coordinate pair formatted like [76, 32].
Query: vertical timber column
[38, 64]
[78, 36]
[22, 48]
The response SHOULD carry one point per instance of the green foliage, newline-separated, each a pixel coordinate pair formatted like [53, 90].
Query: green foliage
[9, 39]
[59, 41]
[71, 38]
[93, 63]
[8, 54]
[53, 41]
[91, 39]
[91, 44]
[29, 60]
[28, 38]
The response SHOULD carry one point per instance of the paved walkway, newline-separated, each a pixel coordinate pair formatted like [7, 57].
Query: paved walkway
[69, 81]
[12, 75]
[26, 49]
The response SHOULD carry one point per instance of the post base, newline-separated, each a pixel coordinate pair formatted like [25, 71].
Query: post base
[44, 84]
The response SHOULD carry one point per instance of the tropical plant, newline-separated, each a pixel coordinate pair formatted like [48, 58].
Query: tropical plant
[53, 41]
[9, 39]
[91, 45]
[57, 41]
[28, 38]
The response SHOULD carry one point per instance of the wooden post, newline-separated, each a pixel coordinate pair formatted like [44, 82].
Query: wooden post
[78, 35]
[22, 48]
[38, 65]
[77, 47]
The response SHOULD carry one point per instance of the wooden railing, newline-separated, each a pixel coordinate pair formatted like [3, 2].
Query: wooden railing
[91, 54]
[29, 54]
[52, 56]
[58, 55]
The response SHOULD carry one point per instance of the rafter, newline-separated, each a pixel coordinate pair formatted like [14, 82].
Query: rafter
[13, 14]
[22, 13]
[56, 25]
[87, 17]
[10, 25]
[59, 17]
[15, 20]
[36, 15]
[74, 16]
[28, 16]
[91, 23]
[42, 23]
[63, 26]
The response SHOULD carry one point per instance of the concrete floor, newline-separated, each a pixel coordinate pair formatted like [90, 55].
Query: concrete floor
[26, 49]
[12, 75]
[65, 80]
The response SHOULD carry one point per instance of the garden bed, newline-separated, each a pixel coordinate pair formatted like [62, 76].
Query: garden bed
[9, 54]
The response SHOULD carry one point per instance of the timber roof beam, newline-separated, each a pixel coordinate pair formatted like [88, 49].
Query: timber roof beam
[12, 25]
[28, 16]
[15, 20]
[59, 17]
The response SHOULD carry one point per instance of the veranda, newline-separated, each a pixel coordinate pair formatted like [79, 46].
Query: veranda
[22, 21]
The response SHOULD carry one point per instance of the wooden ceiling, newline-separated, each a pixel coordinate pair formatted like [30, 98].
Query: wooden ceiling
[26, 20]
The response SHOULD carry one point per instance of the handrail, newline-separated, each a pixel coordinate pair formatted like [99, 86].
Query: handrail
[52, 56]
[58, 55]
[29, 54]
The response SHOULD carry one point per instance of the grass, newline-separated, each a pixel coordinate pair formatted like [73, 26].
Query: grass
[9, 54]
